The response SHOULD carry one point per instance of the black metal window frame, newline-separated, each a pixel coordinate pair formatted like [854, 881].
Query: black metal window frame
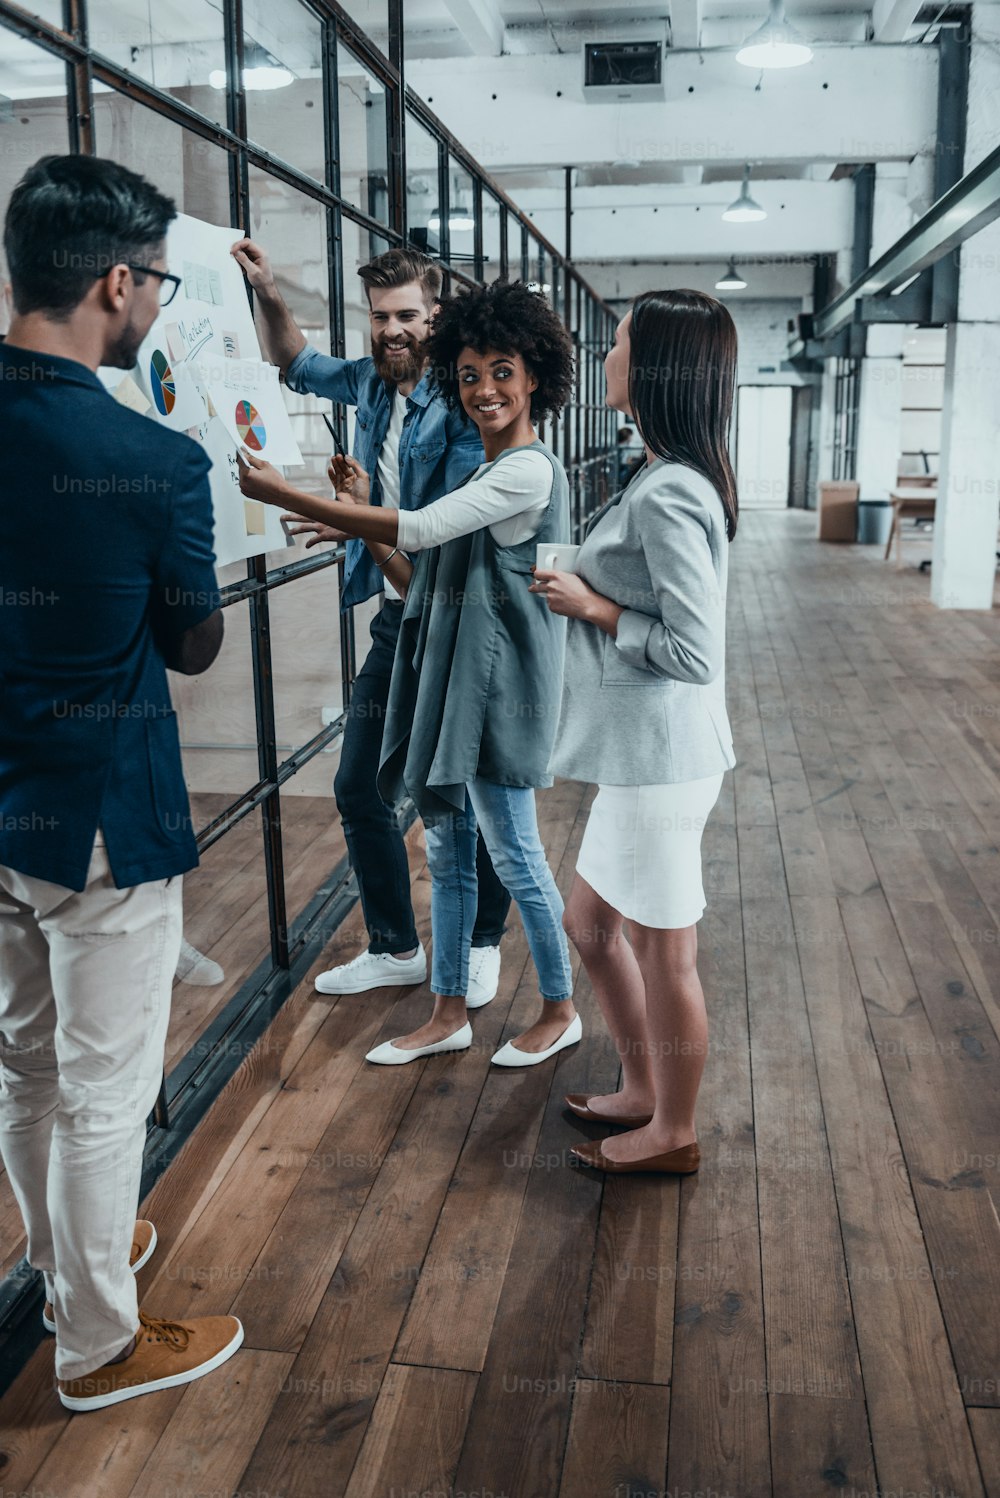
[846, 404]
[584, 437]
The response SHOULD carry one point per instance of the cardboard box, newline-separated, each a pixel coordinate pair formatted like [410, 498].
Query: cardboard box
[837, 510]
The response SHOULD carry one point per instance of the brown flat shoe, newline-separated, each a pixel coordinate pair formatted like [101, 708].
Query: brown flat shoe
[680, 1162]
[580, 1104]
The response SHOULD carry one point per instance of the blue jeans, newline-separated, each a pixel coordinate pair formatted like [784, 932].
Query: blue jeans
[374, 842]
[506, 816]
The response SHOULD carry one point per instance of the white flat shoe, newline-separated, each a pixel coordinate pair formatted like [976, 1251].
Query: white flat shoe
[388, 1054]
[509, 1055]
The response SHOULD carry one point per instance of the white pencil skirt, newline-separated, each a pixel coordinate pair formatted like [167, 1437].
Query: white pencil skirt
[641, 849]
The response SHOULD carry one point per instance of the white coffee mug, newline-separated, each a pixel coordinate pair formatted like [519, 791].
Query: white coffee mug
[554, 558]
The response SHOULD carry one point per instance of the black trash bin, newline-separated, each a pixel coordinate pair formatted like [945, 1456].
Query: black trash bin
[874, 521]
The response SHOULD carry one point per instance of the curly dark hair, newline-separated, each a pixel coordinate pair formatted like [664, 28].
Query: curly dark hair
[510, 318]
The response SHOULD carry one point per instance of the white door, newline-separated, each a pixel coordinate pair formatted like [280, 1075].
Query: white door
[763, 446]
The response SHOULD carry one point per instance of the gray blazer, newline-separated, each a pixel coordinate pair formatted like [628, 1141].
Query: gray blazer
[649, 706]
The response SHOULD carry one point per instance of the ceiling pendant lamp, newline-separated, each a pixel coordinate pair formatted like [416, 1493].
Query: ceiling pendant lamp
[732, 280]
[775, 44]
[744, 209]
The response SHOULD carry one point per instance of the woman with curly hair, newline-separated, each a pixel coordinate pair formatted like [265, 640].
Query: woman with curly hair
[474, 699]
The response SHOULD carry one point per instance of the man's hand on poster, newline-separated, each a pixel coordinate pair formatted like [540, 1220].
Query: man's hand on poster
[256, 266]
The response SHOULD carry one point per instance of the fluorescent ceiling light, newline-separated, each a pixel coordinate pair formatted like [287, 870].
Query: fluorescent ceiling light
[731, 281]
[460, 221]
[267, 77]
[261, 70]
[775, 44]
[744, 209]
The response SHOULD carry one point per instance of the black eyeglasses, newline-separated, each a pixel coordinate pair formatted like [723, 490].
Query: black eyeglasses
[169, 284]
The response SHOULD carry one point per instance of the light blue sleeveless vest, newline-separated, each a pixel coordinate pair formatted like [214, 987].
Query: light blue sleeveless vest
[477, 677]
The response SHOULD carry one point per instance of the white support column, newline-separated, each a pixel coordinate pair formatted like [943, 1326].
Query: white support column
[966, 518]
[965, 521]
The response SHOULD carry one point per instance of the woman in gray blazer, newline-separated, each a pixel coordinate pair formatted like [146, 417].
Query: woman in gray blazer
[644, 716]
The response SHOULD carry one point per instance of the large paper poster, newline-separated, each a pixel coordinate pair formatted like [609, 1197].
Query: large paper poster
[200, 371]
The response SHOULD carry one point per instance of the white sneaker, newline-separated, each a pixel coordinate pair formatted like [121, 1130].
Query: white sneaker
[509, 1055]
[373, 970]
[388, 1054]
[484, 976]
[194, 967]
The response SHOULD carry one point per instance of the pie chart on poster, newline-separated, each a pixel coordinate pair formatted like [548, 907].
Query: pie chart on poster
[161, 379]
[253, 433]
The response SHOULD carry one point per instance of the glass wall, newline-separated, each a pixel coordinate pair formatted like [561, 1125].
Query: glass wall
[492, 221]
[423, 187]
[284, 44]
[190, 65]
[287, 120]
[363, 152]
[460, 250]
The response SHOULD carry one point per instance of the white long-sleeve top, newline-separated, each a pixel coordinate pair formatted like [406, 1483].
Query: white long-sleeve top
[388, 469]
[511, 499]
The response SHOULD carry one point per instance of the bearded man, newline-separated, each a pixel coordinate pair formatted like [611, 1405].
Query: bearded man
[416, 450]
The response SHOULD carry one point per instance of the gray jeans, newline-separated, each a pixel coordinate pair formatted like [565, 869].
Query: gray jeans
[85, 983]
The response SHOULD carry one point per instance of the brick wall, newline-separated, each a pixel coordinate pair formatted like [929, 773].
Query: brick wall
[762, 329]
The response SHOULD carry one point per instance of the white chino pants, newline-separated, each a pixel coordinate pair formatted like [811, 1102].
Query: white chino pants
[85, 984]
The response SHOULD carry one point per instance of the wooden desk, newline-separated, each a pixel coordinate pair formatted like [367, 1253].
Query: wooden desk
[909, 501]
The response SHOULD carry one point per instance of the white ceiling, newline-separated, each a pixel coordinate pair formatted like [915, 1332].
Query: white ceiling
[627, 152]
[619, 12]
[506, 79]
[450, 27]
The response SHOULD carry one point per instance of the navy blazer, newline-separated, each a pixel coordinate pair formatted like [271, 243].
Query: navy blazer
[105, 560]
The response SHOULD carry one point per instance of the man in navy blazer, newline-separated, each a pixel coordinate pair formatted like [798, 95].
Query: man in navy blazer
[106, 579]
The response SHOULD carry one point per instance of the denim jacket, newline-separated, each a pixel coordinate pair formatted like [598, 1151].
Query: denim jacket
[438, 449]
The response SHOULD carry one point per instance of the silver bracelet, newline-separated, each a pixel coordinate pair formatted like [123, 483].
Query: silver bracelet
[388, 558]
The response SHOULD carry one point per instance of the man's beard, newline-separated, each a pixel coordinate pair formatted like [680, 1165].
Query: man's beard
[124, 353]
[407, 367]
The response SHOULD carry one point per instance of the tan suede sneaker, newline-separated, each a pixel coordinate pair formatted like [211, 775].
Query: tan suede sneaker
[143, 1243]
[167, 1353]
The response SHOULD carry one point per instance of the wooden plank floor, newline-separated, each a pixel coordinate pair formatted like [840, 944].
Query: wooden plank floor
[436, 1301]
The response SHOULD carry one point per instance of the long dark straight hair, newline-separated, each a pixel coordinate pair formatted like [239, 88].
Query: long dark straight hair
[681, 382]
